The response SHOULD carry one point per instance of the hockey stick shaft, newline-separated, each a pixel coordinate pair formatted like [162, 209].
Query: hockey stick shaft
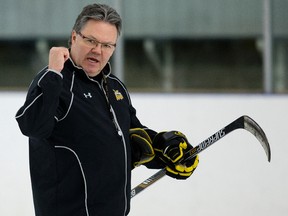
[244, 122]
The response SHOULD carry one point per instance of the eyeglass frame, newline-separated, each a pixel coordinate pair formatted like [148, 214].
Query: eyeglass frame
[93, 43]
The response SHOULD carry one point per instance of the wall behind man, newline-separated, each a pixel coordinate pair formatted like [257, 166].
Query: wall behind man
[150, 18]
[200, 45]
[233, 176]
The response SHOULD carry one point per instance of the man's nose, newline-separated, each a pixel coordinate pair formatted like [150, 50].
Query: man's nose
[97, 48]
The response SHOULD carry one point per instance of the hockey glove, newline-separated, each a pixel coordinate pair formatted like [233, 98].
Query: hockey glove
[171, 147]
[141, 147]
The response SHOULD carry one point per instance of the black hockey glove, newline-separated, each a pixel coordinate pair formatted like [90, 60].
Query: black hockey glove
[141, 147]
[171, 147]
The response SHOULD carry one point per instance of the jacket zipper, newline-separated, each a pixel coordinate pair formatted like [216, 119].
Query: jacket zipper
[104, 86]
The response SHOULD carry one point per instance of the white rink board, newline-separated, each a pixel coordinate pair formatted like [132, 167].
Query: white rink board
[233, 176]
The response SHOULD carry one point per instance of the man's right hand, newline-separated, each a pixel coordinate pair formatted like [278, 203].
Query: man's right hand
[57, 58]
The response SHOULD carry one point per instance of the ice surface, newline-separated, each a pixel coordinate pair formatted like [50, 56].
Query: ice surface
[233, 176]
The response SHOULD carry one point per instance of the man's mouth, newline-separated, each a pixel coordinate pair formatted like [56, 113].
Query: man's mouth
[92, 60]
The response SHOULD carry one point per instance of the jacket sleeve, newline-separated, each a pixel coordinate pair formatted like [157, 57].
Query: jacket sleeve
[36, 117]
[156, 163]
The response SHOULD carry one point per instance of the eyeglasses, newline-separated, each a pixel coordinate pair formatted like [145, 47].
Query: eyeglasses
[90, 42]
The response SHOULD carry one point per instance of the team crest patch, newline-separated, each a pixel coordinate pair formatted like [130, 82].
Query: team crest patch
[118, 95]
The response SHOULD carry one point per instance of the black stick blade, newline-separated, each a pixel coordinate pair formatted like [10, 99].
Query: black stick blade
[250, 125]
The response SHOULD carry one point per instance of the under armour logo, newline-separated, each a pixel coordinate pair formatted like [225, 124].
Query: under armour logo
[87, 95]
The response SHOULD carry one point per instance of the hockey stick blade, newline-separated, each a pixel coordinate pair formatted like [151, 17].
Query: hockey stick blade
[251, 126]
[243, 122]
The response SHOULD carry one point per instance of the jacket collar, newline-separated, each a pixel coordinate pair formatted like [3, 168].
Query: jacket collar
[106, 71]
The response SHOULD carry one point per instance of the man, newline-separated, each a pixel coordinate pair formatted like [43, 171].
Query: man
[84, 136]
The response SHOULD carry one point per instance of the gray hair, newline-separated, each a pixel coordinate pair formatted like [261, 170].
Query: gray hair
[99, 12]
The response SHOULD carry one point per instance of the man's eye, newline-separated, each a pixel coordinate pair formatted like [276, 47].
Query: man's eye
[91, 41]
[108, 46]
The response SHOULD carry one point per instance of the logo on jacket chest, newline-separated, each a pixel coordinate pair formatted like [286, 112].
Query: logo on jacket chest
[87, 95]
[118, 95]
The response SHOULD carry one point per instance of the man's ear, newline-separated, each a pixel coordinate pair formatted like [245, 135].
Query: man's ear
[73, 37]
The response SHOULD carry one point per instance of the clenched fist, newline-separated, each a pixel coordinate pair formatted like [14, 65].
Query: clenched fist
[57, 58]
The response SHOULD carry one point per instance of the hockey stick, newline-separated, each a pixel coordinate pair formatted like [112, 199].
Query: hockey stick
[243, 122]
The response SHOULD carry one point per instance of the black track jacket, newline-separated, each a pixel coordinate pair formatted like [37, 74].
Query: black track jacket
[79, 151]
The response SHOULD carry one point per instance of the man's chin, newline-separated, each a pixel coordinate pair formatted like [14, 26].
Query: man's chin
[92, 73]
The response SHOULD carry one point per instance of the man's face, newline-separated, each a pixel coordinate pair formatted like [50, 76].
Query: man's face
[92, 48]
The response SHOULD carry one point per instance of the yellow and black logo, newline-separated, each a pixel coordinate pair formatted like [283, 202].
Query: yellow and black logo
[118, 95]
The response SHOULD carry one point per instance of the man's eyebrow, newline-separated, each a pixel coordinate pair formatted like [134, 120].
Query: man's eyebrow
[94, 38]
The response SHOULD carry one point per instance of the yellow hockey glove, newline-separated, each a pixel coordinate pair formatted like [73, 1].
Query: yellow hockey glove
[171, 147]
